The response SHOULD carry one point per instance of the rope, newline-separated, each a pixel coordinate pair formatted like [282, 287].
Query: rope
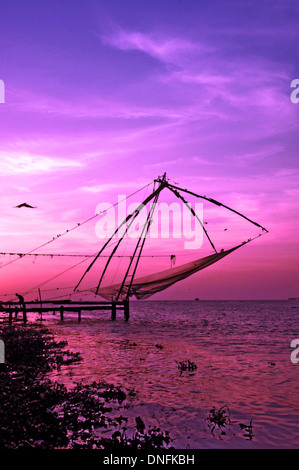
[77, 255]
[73, 228]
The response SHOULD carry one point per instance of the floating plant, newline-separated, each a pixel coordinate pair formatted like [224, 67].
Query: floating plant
[37, 412]
[248, 430]
[186, 365]
[219, 418]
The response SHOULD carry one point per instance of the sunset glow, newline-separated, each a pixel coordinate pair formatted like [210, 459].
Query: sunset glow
[102, 98]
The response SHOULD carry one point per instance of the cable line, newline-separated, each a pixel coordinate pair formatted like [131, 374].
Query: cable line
[75, 227]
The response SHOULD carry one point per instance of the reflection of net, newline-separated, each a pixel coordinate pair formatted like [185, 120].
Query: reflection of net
[146, 286]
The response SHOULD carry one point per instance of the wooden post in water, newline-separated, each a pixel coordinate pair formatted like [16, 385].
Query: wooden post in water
[61, 309]
[10, 316]
[24, 314]
[113, 311]
[79, 316]
[41, 305]
[16, 312]
[126, 310]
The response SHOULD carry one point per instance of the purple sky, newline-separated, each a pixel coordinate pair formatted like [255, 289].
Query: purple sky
[102, 97]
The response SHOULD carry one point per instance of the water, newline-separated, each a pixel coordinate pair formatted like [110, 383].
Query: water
[242, 352]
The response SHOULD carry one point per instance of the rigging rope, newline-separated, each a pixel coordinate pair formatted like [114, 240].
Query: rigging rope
[33, 289]
[77, 255]
[75, 227]
[174, 189]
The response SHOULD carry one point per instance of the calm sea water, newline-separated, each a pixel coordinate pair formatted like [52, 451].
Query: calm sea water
[243, 357]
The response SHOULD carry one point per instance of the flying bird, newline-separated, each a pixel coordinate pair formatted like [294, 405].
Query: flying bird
[225, 229]
[24, 204]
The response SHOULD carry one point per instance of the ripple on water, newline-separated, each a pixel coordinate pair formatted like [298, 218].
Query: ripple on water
[242, 352]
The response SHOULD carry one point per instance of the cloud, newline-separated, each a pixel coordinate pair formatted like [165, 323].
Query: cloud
[179, 162]
[253, 157]
[91, 107]
[161, 48]
[99, 188]
[14, 163]
[200, 78]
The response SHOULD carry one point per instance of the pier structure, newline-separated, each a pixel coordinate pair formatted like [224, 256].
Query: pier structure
[12, 309]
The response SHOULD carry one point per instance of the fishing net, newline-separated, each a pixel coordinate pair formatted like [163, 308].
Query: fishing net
[144, 287]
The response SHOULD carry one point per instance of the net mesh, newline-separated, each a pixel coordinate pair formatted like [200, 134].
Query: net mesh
[144, 287]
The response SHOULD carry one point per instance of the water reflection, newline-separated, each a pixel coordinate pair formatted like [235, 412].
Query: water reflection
[241, 350]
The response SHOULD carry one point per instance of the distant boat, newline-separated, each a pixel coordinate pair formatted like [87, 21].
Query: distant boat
[196, 299]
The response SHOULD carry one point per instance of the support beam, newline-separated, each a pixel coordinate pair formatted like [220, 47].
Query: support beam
[126, 310]
[24, 314]
[213, 201]
[177, 194]
[76, 307]
[134, 215]
[141, 241]
[61, 309]
[41, 305]
[113, 311]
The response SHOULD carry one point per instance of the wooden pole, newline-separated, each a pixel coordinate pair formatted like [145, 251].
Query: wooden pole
[142, 241]
[10, 316]
[113, 311]
[213, 201]
[126, 310]
[178, 195]
[61, 312]
[24, 314]
[79, 316]
[41, 305]
[134, 215]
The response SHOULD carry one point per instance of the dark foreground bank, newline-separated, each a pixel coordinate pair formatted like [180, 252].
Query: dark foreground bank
[36, 412]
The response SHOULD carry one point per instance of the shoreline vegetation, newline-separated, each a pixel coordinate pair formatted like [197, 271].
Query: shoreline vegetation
[37, 412]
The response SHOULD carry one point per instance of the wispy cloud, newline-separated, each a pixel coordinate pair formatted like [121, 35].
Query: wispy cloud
[14, 163]
[251, 158]
[105, 187]
[89, 107]
[165, 49]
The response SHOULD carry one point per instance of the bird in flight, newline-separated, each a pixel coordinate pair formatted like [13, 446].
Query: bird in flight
[24, 204]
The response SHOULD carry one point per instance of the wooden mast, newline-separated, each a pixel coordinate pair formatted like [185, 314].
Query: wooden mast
[213, 201]
[142, 237]
[134, 215]
[178, 195]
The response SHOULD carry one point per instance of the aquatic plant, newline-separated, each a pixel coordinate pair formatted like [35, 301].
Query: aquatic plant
[153, 438]
[248, 430]
[218, 418]
[186, 365]
[140, 426]
[38, 412]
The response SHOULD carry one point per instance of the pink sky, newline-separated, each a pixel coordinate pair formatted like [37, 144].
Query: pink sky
[101, 98]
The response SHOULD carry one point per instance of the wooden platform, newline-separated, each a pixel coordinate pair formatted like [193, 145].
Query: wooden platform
[12, 309]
